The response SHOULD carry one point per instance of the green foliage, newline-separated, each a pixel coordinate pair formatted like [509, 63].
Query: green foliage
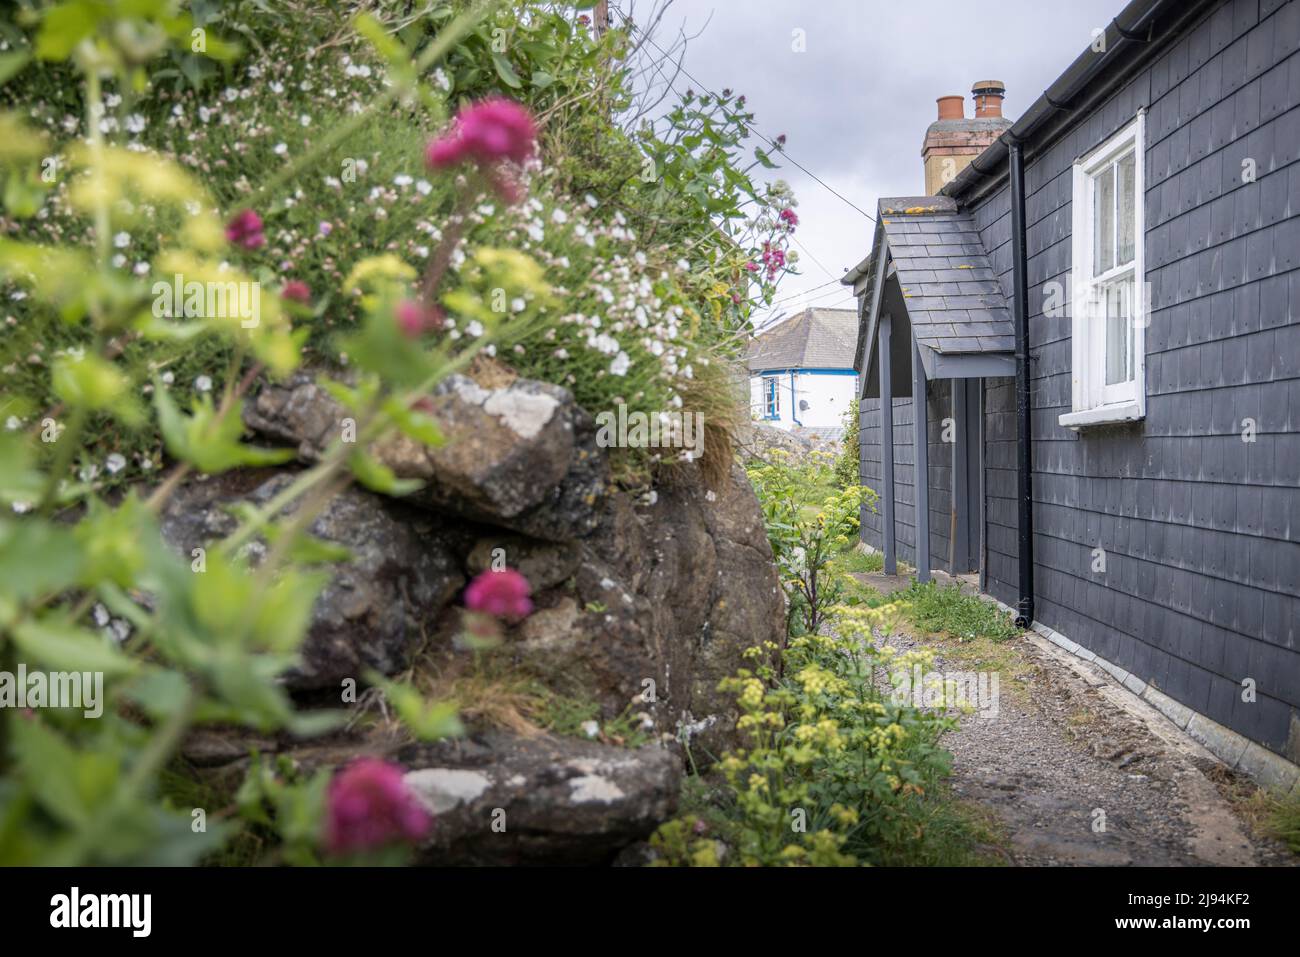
[581, 718]
[848, 466]
[210, 633]
[834, 772]
[949, 609]
[808, 531]
[1284, 822]
[127, 143]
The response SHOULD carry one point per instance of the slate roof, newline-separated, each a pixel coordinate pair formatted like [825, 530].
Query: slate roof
[813, 339]
[953, 298]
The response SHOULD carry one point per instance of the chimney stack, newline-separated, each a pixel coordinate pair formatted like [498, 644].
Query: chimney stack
[953, 140]
[988, 98]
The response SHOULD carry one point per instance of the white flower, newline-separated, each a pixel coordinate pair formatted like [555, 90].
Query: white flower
[518, 304]
[277, 87]
[620, 364]
[122, 240]
[591, 201]
[305, 120]
[88, 473]
[440, 78]
[536, 233]
[203, 384]
[710, 496]
[280, 149]
[423, 187]
[13, 423]
[135, 123]
[114, 463]
[401, 179]
[590, 728]
[140, 269]
[559, 216]
[118, 261]
[168, 378]
[475, 328]
[683, 265]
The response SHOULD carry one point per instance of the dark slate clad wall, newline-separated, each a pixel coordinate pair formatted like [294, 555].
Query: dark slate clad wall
[1201, 530]
[939, 402]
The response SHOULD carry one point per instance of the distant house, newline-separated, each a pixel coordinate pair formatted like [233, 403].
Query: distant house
[1081, 367]
[801, 373]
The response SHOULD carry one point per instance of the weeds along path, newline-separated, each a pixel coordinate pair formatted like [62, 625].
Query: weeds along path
[1078, 772]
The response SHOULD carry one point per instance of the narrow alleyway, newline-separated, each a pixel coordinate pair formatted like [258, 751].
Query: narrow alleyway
[1077, 771]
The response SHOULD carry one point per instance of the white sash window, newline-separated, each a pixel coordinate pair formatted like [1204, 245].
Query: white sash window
[1109, 301]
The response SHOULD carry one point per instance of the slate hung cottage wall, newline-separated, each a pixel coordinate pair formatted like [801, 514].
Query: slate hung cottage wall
[1200, 529]
[939, 402]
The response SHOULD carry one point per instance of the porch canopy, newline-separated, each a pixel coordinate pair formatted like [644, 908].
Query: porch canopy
[930, 307]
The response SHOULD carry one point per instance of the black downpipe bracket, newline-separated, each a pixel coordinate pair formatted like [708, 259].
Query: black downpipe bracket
[1020, 314]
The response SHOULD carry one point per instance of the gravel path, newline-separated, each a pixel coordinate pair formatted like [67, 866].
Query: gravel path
[1080, 772]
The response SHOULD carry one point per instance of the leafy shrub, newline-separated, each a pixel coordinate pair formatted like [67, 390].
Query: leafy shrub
[809, 523]
[834, 771]
[848, 467]
[651, 276]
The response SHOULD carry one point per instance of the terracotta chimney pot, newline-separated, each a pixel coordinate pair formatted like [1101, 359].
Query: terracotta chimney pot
[952, 107]
[988, 98]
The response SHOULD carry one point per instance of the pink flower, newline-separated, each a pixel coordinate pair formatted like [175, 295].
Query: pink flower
[415, 318]
[751, 266]
[789, 216]
[369, 806]
[325, 227]
[504, 594]
[245, 229]
[485, 133]
[295, 290]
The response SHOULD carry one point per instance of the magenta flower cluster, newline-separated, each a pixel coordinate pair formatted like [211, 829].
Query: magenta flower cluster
[485, 133]
[245, 229]
[773, 259]
[369, 806]
[503, 594]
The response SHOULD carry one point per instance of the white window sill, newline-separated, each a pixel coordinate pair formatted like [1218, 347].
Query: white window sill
[1130, 411]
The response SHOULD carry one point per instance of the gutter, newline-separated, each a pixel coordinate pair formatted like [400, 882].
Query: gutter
[1134, 27]
[794, 402]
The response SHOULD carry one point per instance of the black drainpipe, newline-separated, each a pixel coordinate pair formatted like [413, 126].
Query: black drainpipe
[1020, 313]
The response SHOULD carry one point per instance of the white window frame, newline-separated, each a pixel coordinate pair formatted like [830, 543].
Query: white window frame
[1092, 401]
[771, 394]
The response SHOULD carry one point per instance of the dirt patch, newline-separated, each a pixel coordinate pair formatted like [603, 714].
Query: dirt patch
[1080, 772]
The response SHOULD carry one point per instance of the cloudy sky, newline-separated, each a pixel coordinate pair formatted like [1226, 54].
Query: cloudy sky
[856, 104]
